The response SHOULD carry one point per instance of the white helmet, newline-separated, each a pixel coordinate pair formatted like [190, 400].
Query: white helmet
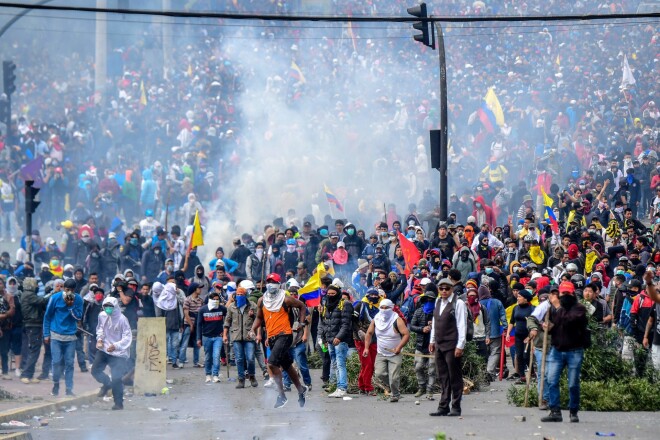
[337, 282]
[246, 284]
[292, 283]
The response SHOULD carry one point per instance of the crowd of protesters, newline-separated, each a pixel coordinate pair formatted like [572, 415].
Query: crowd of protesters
[560, 199]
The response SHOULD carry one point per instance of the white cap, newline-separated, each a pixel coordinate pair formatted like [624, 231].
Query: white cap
[292, 283]
[337, 282]
[341, 244]
[424, 281]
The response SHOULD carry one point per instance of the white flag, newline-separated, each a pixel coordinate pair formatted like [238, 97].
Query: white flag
[628, 78]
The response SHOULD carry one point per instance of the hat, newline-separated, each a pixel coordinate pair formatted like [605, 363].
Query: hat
[425, 281]
[526, 294]
[518, 286]
[471, 283]
[67, 224]
[341, 244]
[445, 282]
[334, 235]
[307, 224]
[68, 267]
[230, 286]
[527, 198]
[386, 303]
[566, 286]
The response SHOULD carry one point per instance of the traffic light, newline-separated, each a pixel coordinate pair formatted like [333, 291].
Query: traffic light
[31, 192]
[426, 37]
[9, 76]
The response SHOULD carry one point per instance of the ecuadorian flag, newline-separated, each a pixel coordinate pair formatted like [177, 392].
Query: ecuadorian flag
[490, 113]
[332, 199]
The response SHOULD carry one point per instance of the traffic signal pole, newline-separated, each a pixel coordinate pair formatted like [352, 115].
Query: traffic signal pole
[30, 207]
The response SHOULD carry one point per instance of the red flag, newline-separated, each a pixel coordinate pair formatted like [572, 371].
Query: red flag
[411, 254]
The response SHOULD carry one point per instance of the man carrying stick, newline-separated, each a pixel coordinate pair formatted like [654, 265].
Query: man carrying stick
[540, 340]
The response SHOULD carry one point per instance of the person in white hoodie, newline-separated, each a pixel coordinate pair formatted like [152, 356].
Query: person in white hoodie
[113, 340]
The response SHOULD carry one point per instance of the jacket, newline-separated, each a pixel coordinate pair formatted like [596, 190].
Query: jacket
[417, 324]
[336, 323]
[494, 309]
[60, 318]
[34, 307]
[114, 330]
[240, 322]
[487, 214]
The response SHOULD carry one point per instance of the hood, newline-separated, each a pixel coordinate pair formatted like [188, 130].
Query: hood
[199, 266]
[112, 300]
[350, 225]
[479, 199]
[30, 285]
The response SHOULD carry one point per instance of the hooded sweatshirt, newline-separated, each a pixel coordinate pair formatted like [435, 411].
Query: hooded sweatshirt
[114, 330]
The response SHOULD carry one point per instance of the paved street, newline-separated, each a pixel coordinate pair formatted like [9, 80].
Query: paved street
[195, 410]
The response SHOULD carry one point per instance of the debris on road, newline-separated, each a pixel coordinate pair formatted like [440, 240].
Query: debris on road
[72, 409]
[15, 424]
[520, 418]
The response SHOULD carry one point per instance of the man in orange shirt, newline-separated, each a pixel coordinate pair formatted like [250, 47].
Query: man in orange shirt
[273, 309]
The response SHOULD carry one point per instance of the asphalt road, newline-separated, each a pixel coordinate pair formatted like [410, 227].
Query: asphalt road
[195, 410]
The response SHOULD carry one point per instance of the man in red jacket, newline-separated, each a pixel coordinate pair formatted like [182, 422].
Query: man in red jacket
[482, 212]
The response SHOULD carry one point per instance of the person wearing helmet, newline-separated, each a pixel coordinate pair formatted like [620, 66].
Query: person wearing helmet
[298, 350]
[64, 311]
[273, 309]
[148, 225]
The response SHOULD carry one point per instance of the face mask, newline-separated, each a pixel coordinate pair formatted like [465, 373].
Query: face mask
[213, 304]
[85, 239]
[55, 263]
[478, 205]
[200, 274]
[12, 289]
[157, 251]
[387, 313]
[241, 300]
[290, 248]
[524, 264]
[410, 234]
[619, 209]
[169, 267]
[272, 288]
[472, 300]
[259, 253]
[350, 231]
[108, 310]
[428, 307]
[98, 297]
[134, 241]
[489, 270]
[373, 299]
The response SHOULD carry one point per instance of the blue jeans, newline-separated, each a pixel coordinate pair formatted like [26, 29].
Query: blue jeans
[299, 354]
[63, 351]
[173, 340]
[212, 348]
[244, 354]
[185, 337]
[538, 357]
[556, 362]
[338, 355]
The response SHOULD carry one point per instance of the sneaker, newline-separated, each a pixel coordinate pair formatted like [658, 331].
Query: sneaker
[253, 381]
[208, 378]
[240, 384]
[544, 406]
[574, 417]
[70, 393]
[117, 407]
[338, 394]
[44, 377]
[6, 377]
[419, 393]
[270, 383]
[394, 399]
[514, 376]
[303, 396]
[309, 387]
[83, 369]
[169, 362]
[176, 366]
[429, 396]
[198, 365]
[25, 380]
[34, 380]
[56, 390]
[103, 391]
[287, 388]
[554, 416]
[216, 379]
[281, 401]
[18, 372]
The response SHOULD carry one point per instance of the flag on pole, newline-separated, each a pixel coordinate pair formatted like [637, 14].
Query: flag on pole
[549, 214]
[558, 60]
[197, 237]
[494, 105]
[296, 73]
[189, 72]
[310, 293]
[143, 95]
[332, 199]
[628, 78]
[32, 171]
[411, 254]
[352, 35]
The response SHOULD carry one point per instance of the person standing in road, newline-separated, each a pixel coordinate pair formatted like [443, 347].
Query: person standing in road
[421, 325]
[391, 336]
[273, 309]
[113, 341]
[34, 308]
[240, 317]
[448, 332]
[64, 311]
[568, 328]
[210, 323]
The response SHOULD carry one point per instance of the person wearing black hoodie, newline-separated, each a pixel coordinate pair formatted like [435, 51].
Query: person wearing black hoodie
[354, 244]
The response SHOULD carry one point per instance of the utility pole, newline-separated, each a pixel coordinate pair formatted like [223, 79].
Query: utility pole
[30, 207]
[439, 138]
[9, 84]
[101, 52]
[166, 32]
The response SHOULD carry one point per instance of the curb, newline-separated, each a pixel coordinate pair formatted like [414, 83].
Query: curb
[16, 436]
[28, 412]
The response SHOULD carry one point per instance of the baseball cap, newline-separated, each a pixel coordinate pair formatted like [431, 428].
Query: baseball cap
[566, 286]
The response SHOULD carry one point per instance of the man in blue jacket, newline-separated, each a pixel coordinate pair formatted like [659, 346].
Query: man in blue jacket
[497, 316]
[63, 312]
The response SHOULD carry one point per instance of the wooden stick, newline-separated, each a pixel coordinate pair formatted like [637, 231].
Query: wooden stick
[530, 346]
[545, 354]
[502, 356]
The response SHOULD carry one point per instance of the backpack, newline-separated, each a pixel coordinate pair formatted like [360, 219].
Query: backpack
[408, 306]
[625, 322]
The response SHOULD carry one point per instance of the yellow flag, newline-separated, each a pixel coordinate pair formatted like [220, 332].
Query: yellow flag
[312, 284]
[189, 71]
[143, 94]
[494, 105]
[197, 238]
[558, 61]
[547, 200]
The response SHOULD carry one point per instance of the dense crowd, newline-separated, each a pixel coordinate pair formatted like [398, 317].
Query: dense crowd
[562, 190]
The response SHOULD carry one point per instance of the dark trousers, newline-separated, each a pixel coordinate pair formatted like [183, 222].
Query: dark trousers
[80, 350]
[450, 378]
[47, 363]
[117, 370]
[522, 355]
[32, 341]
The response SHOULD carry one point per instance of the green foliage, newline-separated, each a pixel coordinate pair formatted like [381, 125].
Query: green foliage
[607, 382]
[314, 360]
